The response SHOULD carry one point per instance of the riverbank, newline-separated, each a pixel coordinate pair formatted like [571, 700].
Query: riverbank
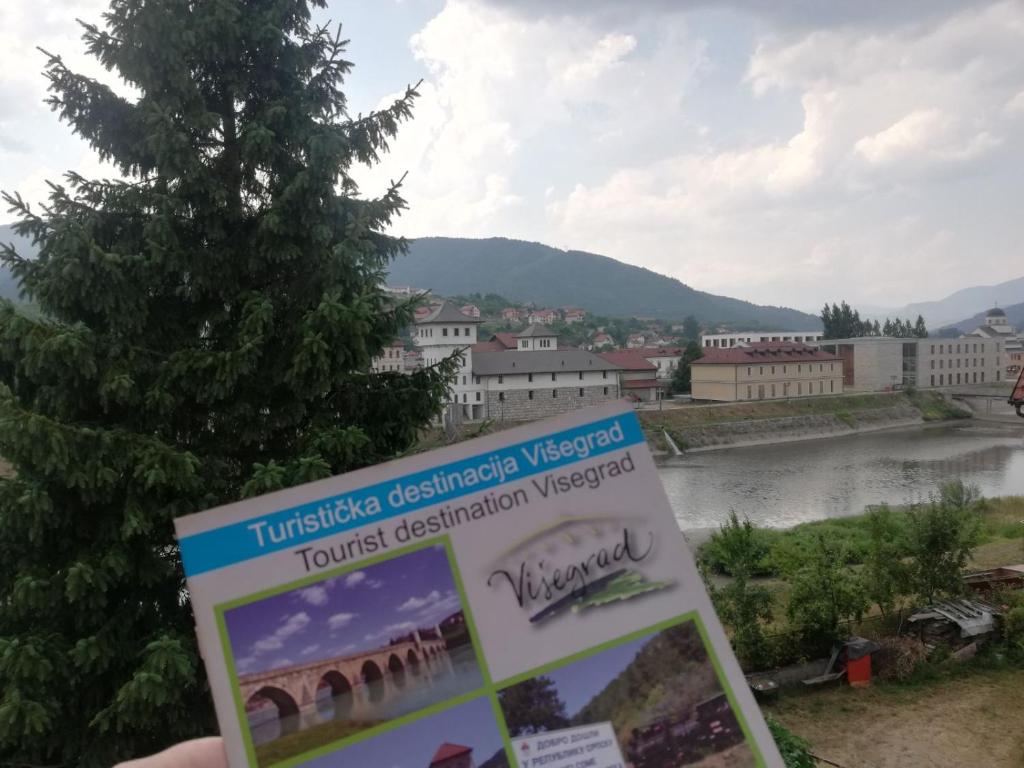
[729, 425]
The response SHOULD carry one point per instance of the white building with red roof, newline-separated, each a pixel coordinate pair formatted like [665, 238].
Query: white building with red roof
[575, 315]
[470, 310]
[765, 371]
[543, 317]
[512, 314]
[452, 756]
[638, 377]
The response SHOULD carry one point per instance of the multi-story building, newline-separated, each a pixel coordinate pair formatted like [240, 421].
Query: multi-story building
[665, 359]
[602, 341]
[543, 317]
[440, 334]
[536, 337]
[512, 314]
[765, 371]
[391, 358]
[880, 363]
[575, 315]
[732, 339]
[636, 341]
[470, 310]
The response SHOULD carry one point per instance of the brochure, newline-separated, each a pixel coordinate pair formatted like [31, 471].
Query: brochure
[520, 600]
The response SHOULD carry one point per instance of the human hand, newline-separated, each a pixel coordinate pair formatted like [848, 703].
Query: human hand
[198, 753]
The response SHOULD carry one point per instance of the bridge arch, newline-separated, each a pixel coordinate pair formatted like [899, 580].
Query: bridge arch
[287, 719]
[373, 678]
[413, 661]
[341, 691]
[397, 669]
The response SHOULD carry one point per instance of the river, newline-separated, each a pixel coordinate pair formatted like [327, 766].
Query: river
[790, 483]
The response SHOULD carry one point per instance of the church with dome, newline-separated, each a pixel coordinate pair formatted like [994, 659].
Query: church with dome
[996, 326]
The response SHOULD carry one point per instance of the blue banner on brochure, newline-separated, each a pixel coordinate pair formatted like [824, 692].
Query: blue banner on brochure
[235, 543]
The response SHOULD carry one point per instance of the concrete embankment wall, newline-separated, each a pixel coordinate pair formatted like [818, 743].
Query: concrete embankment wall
[788, 428]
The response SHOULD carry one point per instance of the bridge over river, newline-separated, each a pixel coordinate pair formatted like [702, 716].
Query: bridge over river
[357, 682]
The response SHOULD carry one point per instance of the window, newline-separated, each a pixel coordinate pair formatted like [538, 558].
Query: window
[581, 391]
[501, 378]
[933, 365]
[476, 379]
[831, 386]
[975, 377]
[501, 397]
[748, 370]
[942, 363]
[958, 378]
[821, 387]
[463, 381]
[975, 348]
[799, 387]
[478, 397]
[982, 377]
[942, 379]
[455, 331]
[958, 362]
[466, 330]
[444, 331]
[831, 366]
[941, 348]
[581, 375]
[748, 389]
[773, 390]
[523, 343]
[773, 369]
[606, 390]
[464, 398]
[933, 349]
[554, 393]
[761, 367]
[529, 395]
[529, 377]
[933, 379]
[604, 374]
[821, 367]
[554, 376]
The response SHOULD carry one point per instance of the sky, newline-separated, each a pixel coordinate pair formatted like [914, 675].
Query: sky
[354, 612]
[469, 725]
[579, 682]
[788, 152]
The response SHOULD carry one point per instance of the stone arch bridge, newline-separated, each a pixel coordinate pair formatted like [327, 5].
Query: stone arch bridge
[357, 681]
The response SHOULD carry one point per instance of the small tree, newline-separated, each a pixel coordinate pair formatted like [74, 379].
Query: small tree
[743, 607]
[884, 573]
[823, 593]
[940, 537]
[533, 706]
[682, 378]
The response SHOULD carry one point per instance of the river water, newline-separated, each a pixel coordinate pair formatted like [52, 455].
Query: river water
[789, 483]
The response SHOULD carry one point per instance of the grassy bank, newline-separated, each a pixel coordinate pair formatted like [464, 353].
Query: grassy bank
[1001, 538]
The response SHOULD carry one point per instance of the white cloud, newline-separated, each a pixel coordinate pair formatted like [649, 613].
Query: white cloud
[315, 595]
[355, 579]
[310, 649]
[292, 624]
[391, 630]
[415, 603]
[339, 620]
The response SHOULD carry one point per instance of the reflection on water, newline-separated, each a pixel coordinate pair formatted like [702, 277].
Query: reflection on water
[401, 691]
[790, 483]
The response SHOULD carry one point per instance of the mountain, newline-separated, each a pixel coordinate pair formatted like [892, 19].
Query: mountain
[549, 277]
[964, 303]
[1014, 314]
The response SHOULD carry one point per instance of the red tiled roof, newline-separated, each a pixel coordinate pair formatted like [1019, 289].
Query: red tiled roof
[764, 352]
[488, 346]
[628, 359]
[640, 384]
[447, 751]
[506, 339]
[660, 351]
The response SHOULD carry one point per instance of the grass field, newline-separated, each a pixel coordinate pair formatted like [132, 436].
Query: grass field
[972, 719]
[298, 742]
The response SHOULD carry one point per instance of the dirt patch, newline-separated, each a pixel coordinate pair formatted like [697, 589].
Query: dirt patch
[738, 756]
[974, 720]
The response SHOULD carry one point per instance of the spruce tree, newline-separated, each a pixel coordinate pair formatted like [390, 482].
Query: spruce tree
[205, 332]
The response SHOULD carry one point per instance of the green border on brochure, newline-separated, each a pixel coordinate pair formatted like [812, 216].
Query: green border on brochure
[693, 616]
[441, 706]
[490, 689]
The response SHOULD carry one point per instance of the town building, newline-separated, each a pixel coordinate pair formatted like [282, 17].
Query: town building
[665, 359]
[602, 341]
[543, 317]
[575, 315]
[636, 341]
[882, 363]
[996, 326]
[734, 338]
[765, 371]
[638, 377]
[470, 310]
[536, 337]
[512, 314]
[440, 334]
[452, 756]
[391, 358]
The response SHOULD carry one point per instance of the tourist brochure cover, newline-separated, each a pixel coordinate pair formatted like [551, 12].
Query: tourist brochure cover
[520, 600]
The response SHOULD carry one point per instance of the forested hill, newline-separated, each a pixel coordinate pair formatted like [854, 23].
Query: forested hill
[532, 272]
[8, 288]
[1014, 316]
[668, 676]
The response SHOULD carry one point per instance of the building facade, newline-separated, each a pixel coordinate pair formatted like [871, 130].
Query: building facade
[441, 333]
[391, 358]
[727, 340]
[638, 376]
[765, 371]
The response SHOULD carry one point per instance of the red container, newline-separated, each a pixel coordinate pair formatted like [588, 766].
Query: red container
[858, 671]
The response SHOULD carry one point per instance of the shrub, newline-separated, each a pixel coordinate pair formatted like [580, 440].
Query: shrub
[795, 751]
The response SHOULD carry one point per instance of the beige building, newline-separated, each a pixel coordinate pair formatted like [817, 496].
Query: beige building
[391, 358]
[765, 371]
